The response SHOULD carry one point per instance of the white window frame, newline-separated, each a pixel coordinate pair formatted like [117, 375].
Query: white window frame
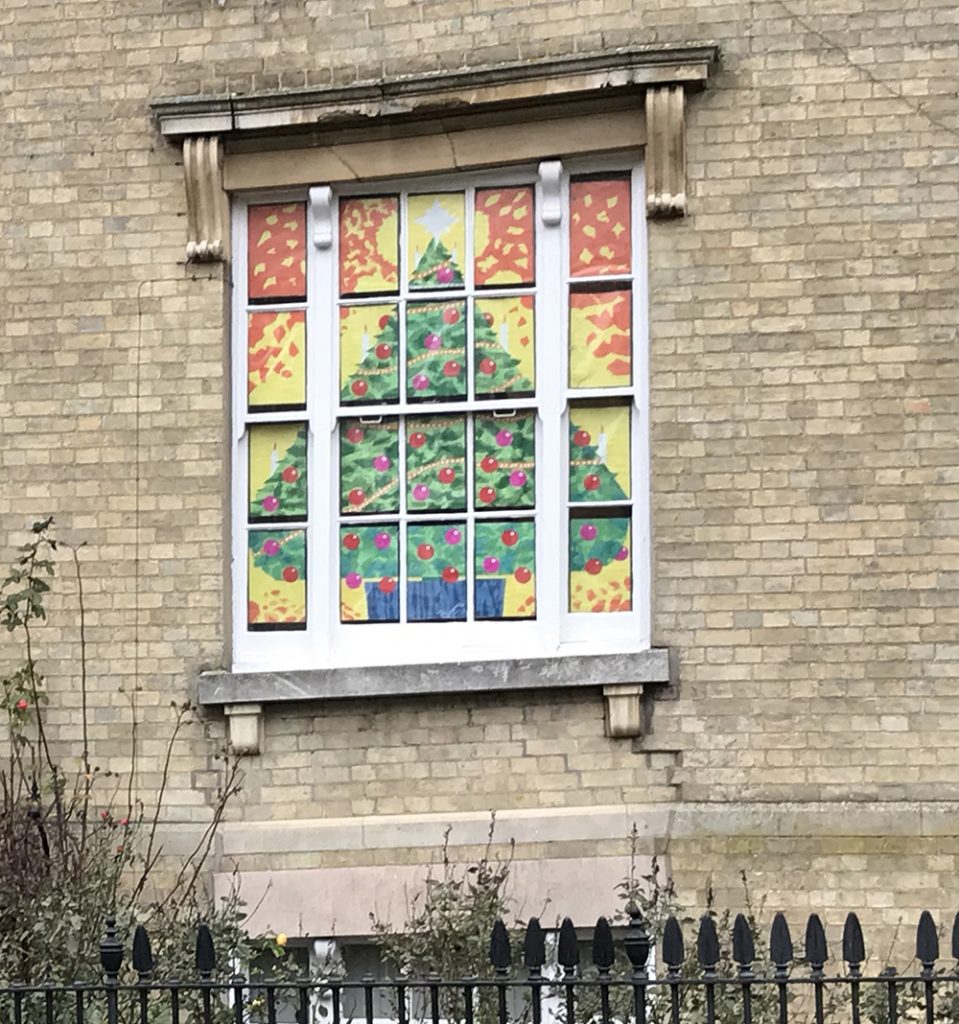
[325, 643]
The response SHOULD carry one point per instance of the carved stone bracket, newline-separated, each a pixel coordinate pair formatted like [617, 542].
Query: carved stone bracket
[624, 715]
[245, 725]
[665, 151]
[206, 202]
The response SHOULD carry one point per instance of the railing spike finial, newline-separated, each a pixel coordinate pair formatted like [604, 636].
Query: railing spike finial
[111, 952]
[142, 953]
[205, 952]
[603, 951]
[707, 944]
[780, 944]
[673, 951]
[816, 951]
[744, 946]
[500, 955]
[853, 946]
[568, 952]
[637, 939]
[927, 942]
[955, 941]
[534, 946]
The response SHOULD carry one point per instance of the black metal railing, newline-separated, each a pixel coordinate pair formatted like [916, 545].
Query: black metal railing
[621, 984]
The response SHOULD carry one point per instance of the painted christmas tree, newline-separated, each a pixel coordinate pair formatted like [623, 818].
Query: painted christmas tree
[504, 549]
[435, 350]
[436, 268]
[498, 371]
[590, 479]
[282, 496]
[436, 463]
[369, 455]
[282, 556]
[369, 563]
[376, 378]
[504, 450]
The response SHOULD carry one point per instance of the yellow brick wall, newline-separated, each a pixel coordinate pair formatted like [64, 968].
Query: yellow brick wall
[803, 385]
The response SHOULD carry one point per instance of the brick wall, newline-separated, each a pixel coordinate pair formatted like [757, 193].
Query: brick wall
[803, 381]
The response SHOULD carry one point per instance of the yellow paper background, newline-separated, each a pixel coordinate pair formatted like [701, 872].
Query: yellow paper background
[511, 311]
[587, 368]
[419, 237]
[368, 253]
[359, 319]
[276, 365]
[271, 595]
[265, 438]
[582, 585]
[353, 603]
[613, 420]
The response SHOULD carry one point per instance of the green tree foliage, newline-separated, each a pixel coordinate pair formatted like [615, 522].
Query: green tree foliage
[436, 268]
[376, 379]
[498, 371]
[589, 478]
[435, 350]
[369, 474]
[283, 493]
[435, 463]
[505, 449]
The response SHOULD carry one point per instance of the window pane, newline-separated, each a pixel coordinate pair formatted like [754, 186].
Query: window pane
[369, 474]
[436, 463]
[600, 564]
[436, 566]
[504, 456]
[503, 236]
[599, 227]
[435, 350]
[276, 591]
[369, 573]
[600, 347]
[599, 449]
[276, 252]
[505, 565]
[277, 471]
[369, 354]
[436, 242]
[276, 361]
[369, 245]
[504, 346]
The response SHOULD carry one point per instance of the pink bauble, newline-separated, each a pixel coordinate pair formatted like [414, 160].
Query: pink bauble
[270, 547]
[517, 478]
[490, 563]
[452, 536]
[353, 580]
[382, 463]
[421, 492]
[504, 438]
[382, 540]
[420, 382]
[432, 342]
[587, 531]
[444, 275]
[621, 555]
[270, 503]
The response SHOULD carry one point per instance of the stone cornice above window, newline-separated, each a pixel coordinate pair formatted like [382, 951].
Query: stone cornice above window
[437, 121]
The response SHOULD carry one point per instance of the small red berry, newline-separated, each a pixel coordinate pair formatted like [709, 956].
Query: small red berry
[124, 822]
[522, 575]
[291, 474]
[591, 482]
[487, 495]
[446, 475]
[451, 574]
[594, 566]
[359, 388]
[104, 815]
[290, 574]
[351, 542]
[22, 705]
[489, 464]
[356, 496]
[384, 351]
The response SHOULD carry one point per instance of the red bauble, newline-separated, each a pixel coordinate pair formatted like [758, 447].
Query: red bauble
[291, 474]
[489, 464]
[387, 585]
[354, 435]
[417, 439]
[351, 542]
[384, 351]
[290, 574]
[450, 315]
[451, 574]
[384, 320]
[452, 369]
[488, 317]
[581, 438]
[446, 475]
[487, 366]
[356, 496]
[359, 388]
[522, 575]
[509, 537]
[425, 551]
[487, 495]
[593, 566]
[591, 482]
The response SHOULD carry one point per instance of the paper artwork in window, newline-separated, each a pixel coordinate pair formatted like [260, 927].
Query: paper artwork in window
[599, 453]
[276, 589]
[436, 240]
[276, 361]
[369, 245]
[435, 350]
[369, 573]
[369, 466]
[436, 572]
[505, 569]
[504, 449]
[436, 463]
[503, 236]
[600, 346]
[277, 472]
[600, 564]
[599, 227]
[504, 346]
[276, 252]
[369, 354]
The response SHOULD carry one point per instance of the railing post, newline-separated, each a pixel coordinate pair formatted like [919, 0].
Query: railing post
[111, 959]
[637, 950]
